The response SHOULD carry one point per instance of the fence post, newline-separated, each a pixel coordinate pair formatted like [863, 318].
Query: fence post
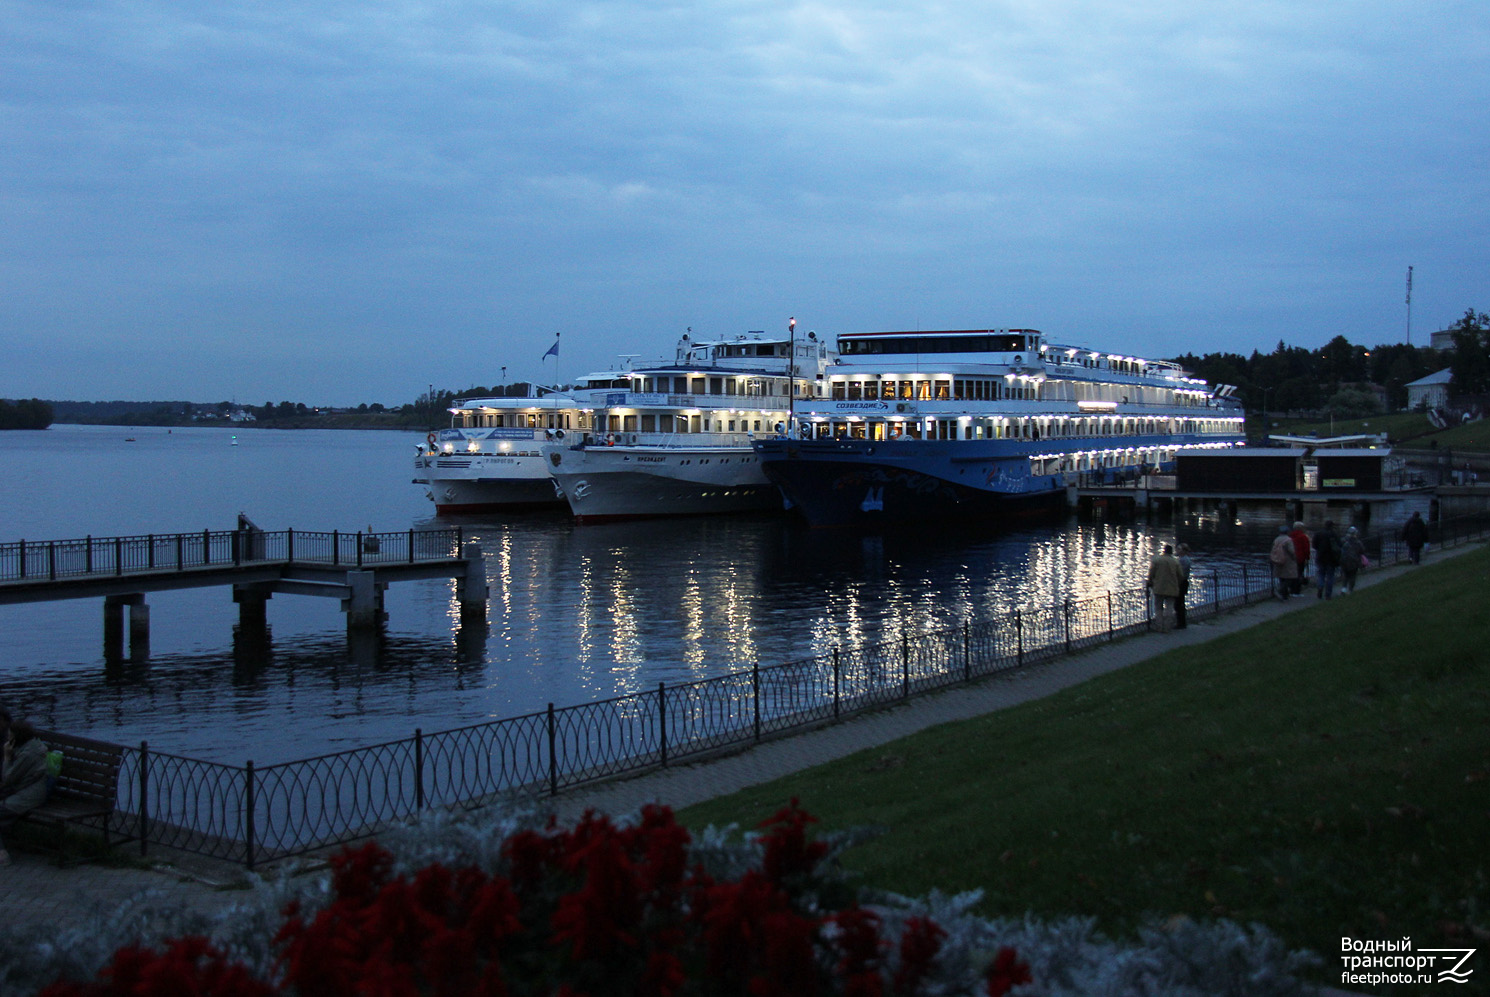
[142, 828]
[290, 544]
[88, 555]
[359, 548]
[553, 757]
[206, 547]
[836, 695]
[419, 768]
[1019, 636]
[1246, 588]
[1216, 591]
[335, 546]
[237, 547]
[23, 559]
[52, 561]
[662, 720]
[1066, 614]
[118, 555]
[1110, 634]
[755, 682]
[905, 665]
[248, 809]
[150, 539]
[967, 654]
[411, 545]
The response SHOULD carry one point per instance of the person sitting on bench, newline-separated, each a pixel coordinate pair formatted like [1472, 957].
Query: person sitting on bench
[23, 788]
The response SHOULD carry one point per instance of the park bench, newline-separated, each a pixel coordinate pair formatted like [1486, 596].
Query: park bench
[84, 791]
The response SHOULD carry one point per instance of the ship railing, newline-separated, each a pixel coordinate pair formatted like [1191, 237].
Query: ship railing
[669, 441]
[251, 815]
[85, 557]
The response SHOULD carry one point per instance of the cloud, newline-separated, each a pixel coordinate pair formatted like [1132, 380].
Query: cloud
[351, 180]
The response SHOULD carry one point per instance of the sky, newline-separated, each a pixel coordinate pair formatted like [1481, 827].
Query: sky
[341, 202]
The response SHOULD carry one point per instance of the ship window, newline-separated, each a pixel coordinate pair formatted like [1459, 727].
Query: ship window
[840, 392]
[855, 390]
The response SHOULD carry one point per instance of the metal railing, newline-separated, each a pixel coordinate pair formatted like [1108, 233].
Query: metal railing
[251, 814]
[50, 560]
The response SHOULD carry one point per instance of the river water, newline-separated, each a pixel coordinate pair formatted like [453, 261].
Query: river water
[577, 613]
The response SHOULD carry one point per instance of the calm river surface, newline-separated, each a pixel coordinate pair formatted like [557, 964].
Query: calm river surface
[577, 613]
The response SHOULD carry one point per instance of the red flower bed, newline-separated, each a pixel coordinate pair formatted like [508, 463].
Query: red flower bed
[594, 910]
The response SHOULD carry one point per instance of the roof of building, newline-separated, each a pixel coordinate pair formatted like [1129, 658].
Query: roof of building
[1438, 377]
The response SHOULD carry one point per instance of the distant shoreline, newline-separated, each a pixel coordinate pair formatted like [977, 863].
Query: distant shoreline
[236, 426]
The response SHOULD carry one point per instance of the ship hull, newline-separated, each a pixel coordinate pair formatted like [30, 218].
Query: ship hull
[487, 483]
[612, 483]
[835, 483]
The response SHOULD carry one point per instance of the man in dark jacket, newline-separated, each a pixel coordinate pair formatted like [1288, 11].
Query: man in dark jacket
[1415, 535]
[1326, 559]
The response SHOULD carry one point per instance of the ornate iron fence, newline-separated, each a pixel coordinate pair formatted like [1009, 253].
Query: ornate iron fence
[249, 815]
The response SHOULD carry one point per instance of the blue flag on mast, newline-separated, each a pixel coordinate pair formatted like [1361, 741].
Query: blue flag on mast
[553, 350]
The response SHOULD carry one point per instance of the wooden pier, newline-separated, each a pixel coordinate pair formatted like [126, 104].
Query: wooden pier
[355, 568]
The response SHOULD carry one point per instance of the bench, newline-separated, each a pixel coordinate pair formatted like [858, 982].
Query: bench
[85, 791]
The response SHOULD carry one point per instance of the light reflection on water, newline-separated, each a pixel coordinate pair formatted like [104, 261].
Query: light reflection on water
[576, 613]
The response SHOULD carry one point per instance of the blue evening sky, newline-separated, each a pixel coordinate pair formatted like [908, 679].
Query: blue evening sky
[336, 202]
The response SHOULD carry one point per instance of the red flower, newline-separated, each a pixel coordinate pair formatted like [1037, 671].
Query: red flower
[1007, 972]
[190, 967]
[919, 945]
[788, 852]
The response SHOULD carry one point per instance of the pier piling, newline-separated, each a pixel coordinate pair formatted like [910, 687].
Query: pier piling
[471, 586]
[113, 626]
[364, 604]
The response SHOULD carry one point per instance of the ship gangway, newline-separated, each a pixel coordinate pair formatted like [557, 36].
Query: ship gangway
[354, 567]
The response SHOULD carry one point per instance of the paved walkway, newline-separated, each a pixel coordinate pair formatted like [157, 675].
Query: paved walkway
[36, 891]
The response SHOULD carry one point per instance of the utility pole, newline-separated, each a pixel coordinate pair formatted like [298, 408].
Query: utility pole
[1409, 306]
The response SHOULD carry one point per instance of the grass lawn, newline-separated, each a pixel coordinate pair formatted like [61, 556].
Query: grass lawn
[1325, 774]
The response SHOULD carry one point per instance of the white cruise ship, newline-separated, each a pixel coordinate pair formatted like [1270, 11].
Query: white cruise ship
[675, 439]
[490, 459]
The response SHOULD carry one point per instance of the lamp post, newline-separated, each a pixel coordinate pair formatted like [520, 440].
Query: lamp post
[1265, 409]
[791, 376]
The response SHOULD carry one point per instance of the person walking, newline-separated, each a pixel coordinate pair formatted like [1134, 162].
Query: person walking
[1285, 564]
[1301, 555]
[1352, 560]
[1415, 535]
[1164, 582]
[1326, 560]
[1182, 555]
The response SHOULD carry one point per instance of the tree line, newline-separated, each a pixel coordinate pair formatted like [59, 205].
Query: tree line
[27, 413]
[1340, 377]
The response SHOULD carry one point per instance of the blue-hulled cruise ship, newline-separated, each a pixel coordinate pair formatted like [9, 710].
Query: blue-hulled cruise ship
[983, 424]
